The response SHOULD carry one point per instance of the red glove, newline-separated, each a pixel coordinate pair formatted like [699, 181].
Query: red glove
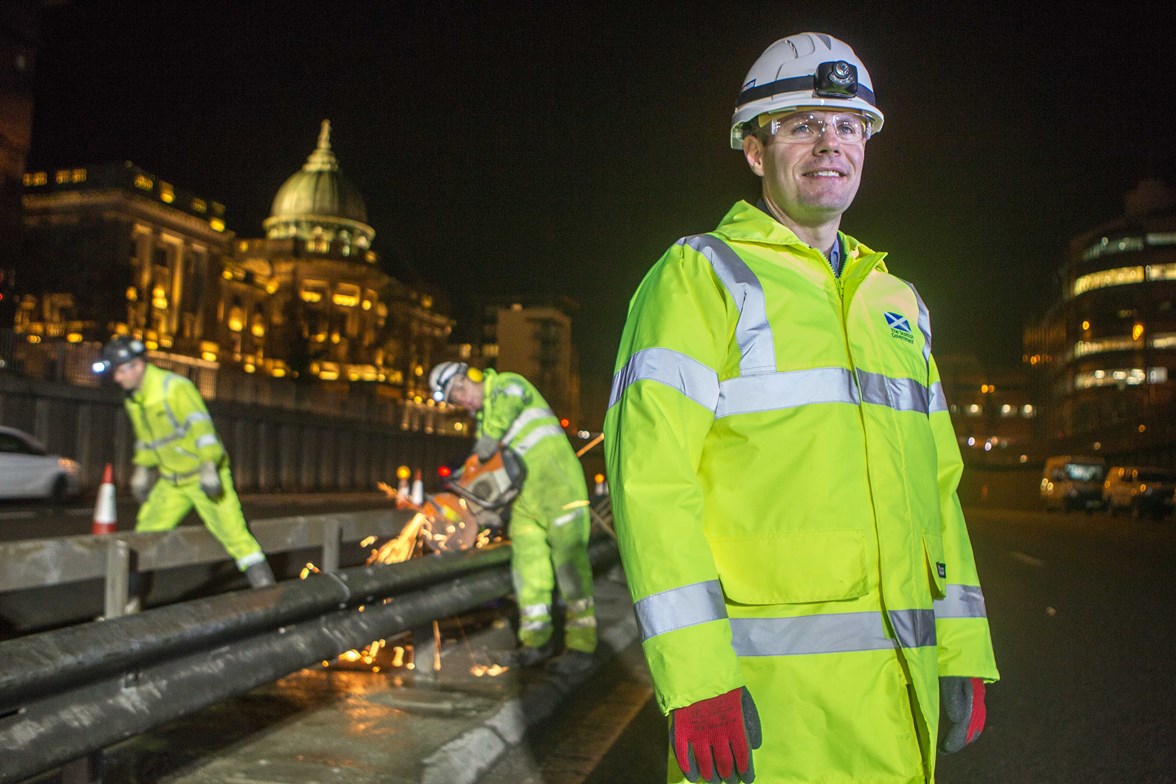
[962, 704]
[717, 733]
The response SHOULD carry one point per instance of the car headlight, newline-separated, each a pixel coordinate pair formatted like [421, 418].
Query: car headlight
[67, 465]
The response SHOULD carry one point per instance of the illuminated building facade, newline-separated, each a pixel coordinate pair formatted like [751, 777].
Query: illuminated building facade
[992, 412]
[533, 337]
[19, 30]
[115, 250]
[1103, 358]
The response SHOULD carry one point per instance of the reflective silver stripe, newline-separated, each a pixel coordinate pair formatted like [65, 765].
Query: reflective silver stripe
[535, 436]
[512, 389]
[177, 477]
[207, 440]
[588, 621]
[533, 610]
[842, 633]
[167, 382]
[196, 416]
[672, 368]
[534, 626]
[904, 394]
[773, 391]
[563, 520]
[961, 601]
[176, 436]
[678, 608]
[924, 323]
[581, 605]
[526, 418]
[938, 400]
[913, 628]
[752, 332]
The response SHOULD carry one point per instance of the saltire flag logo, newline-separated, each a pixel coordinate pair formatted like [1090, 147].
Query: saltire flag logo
[897, 321]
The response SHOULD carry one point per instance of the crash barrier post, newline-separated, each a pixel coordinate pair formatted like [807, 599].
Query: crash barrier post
[69, 692]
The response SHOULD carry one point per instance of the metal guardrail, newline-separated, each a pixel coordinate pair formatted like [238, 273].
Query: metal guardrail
[37, 563]
[140, 671]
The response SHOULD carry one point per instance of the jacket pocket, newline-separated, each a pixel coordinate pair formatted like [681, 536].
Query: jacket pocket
[795, 568]
[936, 563]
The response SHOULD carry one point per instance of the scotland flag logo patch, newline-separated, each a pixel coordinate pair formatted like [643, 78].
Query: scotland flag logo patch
[900, 328]
[897, 321]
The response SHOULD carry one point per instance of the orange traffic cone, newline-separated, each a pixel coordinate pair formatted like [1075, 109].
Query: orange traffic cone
[105, 517]
[418, 488]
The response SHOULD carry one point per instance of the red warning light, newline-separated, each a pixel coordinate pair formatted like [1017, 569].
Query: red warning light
[443, 471]
[565, 422]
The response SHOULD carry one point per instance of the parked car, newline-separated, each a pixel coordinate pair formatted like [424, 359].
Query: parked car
[1140, 490]
[27, 470]
[1073, 482]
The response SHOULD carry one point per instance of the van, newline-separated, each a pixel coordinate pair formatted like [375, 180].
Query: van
[1073, 482]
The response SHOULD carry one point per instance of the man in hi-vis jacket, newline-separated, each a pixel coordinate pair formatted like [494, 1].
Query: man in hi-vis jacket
[549, 524]
[180, 462]
[784, 470]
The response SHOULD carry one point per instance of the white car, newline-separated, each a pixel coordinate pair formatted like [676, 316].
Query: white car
[27, 470]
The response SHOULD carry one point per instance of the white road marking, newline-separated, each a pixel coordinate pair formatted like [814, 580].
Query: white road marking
[1017, 555]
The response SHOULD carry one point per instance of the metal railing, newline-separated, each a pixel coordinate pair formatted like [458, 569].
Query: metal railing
[70, 692]
[38, 563]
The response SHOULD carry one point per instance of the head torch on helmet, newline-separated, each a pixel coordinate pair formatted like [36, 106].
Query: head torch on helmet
[805, 71]
[119, 351]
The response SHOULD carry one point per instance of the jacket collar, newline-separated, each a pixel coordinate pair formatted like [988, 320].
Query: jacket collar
[746, 223]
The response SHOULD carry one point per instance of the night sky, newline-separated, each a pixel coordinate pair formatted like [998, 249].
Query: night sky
[507, 148]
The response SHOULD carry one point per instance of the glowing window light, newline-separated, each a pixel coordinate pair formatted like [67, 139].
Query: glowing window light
[78, 175]
[345, 300]
[199, 205]
[166, 192]
[217, 224]
[144, 183]
[1120, 276]
[1161, 271]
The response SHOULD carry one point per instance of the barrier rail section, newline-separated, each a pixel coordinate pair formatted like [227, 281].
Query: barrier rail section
[70, 692]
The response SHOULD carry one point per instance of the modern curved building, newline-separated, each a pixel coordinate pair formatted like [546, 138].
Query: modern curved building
[1103, 358]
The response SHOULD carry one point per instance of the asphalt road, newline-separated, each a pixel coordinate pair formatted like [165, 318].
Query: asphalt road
[1085, 634]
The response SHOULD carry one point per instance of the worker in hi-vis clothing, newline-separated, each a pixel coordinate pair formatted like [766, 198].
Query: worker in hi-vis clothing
[783, 470]
[549, 523]
[179, 460]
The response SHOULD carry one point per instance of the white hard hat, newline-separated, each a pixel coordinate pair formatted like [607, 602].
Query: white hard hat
[804, 70]
[441, 378]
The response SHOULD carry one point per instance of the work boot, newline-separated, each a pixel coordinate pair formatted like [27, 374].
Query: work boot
[260, 575]
[529, 656]
[571, 662]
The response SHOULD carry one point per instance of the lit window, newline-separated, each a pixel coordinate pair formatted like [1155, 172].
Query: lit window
[199, 205]
[973, 409]
[143, 182]
[1120, 276]
[1161, 271]
[1027, 411]
[217, 224]
[346, 296]
[61, 176]
[313, 291]
[77, 175]
[1109, 247]
[1007, 410]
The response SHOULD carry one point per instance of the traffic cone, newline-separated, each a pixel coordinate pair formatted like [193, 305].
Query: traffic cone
[418, 488]
[105, 516]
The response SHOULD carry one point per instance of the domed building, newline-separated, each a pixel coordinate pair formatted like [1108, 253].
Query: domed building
[319, 205]
[310, 298]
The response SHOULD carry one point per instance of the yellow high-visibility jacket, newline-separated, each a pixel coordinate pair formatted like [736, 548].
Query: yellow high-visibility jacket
[784, 473]
[173, 430]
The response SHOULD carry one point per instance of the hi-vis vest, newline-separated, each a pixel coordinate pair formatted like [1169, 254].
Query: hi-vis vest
[783, 470]
[173, 429]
